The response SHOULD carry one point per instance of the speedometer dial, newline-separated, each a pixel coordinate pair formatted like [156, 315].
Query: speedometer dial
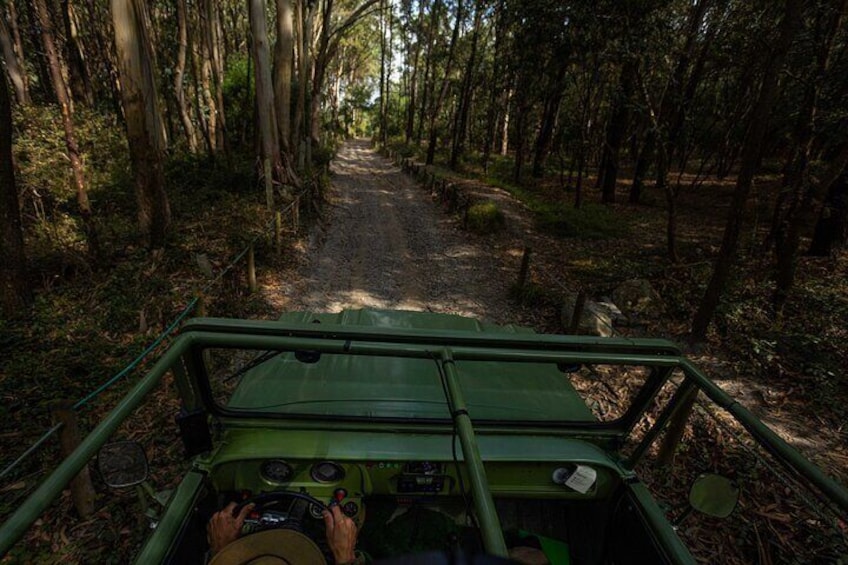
[276, 471]
[327, 472]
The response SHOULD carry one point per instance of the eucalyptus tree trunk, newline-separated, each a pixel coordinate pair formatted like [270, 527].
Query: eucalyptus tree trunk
[383, 79]
[304, 36]
[79, 78]
[617, 127]
[15, 294]
[216, 61]
[495, 86]
[14, 66]
[179, 77]
[461, 121]
[39, 63]
[269, 148]
[144, 121]
[413, 79]
[806, 194]
[207, 77]
[550, 111]
[429, 85]
[195, 47]
[751, 152]
[443, 91]
[283, 61]
[47, 38]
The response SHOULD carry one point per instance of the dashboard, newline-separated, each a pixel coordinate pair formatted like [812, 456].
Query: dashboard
[349, 482]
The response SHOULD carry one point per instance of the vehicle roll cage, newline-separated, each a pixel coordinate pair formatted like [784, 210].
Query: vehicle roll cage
[184, 358]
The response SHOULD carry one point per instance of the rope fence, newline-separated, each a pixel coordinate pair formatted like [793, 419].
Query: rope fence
[275, 222]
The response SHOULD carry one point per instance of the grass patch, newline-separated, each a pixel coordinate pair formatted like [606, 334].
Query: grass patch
[591, 221]
[485, 217]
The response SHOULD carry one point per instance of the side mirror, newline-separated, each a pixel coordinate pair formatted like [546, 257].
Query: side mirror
[122, 464]
[714, 495]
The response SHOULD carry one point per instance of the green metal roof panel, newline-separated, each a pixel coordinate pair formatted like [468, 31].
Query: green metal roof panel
[402, 319]
[370, 386]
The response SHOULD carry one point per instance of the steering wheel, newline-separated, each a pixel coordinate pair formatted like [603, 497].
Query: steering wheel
[292, 507]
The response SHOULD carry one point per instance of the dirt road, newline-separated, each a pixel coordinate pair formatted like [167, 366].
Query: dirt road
[389, 246]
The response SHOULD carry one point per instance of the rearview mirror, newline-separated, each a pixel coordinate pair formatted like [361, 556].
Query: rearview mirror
[714, 495]
[122, 464]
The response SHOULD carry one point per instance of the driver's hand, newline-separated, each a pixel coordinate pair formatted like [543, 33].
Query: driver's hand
[225, 528]
[341, 534]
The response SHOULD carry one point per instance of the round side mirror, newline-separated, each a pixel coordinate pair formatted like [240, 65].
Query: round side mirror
[714, 495]
[122, 464]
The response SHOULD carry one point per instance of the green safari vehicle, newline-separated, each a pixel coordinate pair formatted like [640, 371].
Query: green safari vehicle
[440, 436]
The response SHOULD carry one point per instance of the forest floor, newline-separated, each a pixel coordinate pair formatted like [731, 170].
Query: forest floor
[385, 242]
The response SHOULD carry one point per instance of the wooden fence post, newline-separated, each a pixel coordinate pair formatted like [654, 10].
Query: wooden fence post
[269, 185]
[278, 233]
[525, 266]
[579, 305]
[251, 269]
[82, 491]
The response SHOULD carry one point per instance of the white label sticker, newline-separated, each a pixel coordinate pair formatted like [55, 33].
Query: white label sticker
[582, 479]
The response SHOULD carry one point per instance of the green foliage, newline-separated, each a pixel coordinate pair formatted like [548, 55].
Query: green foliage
[591, 221]
[239, 93]
[485, 217]
[323, 155]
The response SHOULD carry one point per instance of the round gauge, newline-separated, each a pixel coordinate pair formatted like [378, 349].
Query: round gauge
[327, 472]
[276, 471]
[316, 512]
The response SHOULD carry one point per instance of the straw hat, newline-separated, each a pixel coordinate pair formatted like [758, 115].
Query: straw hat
[271, 547]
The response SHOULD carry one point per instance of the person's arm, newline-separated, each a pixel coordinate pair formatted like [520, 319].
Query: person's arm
[341, 536]
[225, 528]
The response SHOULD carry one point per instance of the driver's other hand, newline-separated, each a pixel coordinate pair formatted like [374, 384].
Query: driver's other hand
[224, 527]
[341, 535]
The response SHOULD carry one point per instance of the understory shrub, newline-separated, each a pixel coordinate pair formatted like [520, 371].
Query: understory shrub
[485, 217]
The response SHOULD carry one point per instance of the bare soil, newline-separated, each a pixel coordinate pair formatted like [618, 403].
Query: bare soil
[387, 245]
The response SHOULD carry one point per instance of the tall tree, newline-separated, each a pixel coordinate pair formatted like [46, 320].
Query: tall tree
[15, 295]
[79, 78]
[462, 110]
[283, 69]
[751, 154]
[179, 77]
[14, 66]
[436, 108]
[45, 21]
[806, 193]
[143, 119]
[265, 109]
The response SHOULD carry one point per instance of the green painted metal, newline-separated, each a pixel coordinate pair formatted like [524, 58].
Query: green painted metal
[451, 337]
[301, 442]
[660, 526]
[484, 506]
[179, 510]
[403, 387]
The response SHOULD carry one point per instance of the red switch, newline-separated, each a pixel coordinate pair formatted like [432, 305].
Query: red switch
[339, 494]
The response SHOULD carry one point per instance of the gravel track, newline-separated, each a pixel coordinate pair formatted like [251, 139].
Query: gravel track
[388, 245]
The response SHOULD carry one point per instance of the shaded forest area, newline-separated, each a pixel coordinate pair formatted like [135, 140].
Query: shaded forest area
[702, 144]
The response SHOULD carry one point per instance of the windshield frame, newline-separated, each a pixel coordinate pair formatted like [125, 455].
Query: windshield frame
[658, 355]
